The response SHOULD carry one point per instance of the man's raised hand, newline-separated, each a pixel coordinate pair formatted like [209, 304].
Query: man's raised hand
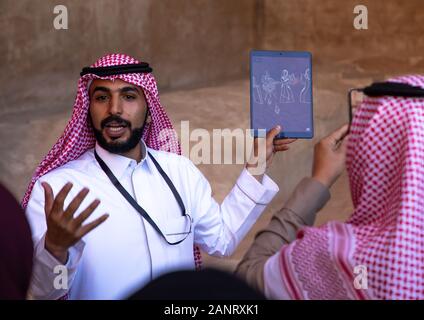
[63, 229]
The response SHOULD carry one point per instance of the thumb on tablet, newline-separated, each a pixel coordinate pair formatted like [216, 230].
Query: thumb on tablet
[270, 136]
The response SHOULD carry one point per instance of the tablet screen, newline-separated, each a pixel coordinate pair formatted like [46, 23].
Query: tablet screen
[281, 92]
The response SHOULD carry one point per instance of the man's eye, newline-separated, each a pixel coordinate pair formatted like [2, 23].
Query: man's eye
[129, 97]
[101, 98]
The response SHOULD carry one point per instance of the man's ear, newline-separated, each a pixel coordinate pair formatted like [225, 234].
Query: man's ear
[89, 119]
[148, 117]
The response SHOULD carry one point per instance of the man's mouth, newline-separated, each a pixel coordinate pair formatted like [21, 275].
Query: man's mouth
[115, 130]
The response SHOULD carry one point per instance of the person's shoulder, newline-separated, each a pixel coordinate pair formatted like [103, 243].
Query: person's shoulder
[71, 169]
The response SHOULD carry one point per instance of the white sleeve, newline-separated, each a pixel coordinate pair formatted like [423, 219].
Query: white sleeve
[220, 228]
[48, 281]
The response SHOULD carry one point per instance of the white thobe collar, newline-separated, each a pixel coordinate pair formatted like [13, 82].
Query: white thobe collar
[118, 163]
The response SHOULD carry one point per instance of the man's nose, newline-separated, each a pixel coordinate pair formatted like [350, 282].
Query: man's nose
[115, 106]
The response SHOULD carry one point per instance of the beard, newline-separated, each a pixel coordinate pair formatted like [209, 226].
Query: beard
[118, 146]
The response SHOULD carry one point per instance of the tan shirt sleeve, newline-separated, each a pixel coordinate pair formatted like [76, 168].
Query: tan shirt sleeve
[300, 210]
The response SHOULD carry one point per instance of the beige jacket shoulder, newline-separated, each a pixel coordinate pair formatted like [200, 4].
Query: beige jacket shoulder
[300, 210]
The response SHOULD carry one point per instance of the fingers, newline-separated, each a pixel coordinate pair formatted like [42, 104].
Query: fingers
[60, 198]
[340, 133]
[92, 225]
[343, 144]
[282, 144]
[86, 213]
[273, 133]
[283, 141]
[48, 198]
[281, 148]
[75, 203]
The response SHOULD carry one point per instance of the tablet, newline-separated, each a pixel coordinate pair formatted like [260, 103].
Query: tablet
[281, 93]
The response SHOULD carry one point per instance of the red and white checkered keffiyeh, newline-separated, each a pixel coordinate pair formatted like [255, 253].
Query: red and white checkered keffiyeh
[385, 233]
[78, 136]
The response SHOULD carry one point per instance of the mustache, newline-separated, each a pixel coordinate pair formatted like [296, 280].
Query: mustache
[116, 119]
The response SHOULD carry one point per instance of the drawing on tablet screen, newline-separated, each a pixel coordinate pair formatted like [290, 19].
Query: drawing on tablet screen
[281, 93]
[269, 85]
[304, 93]
[257, 94]
[286, 93]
